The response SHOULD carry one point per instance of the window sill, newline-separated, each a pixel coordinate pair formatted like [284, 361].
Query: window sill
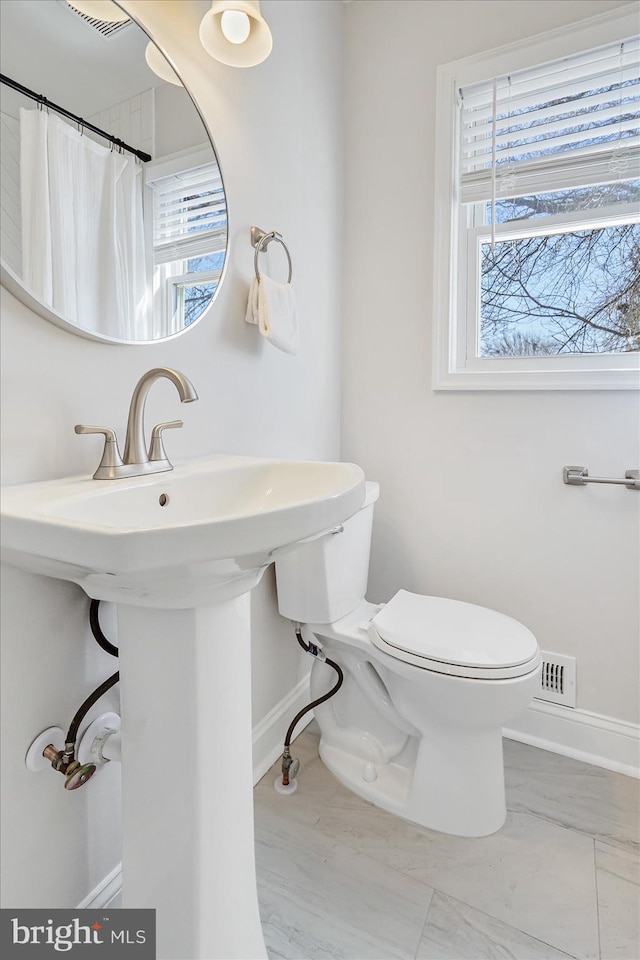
[539, 379]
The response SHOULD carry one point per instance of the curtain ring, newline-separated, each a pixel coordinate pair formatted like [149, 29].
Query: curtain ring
[263, 242]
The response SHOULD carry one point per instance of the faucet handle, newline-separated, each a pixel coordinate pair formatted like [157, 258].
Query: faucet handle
[111, 458]
[156, 448]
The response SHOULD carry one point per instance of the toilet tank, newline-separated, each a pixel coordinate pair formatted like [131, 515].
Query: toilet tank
[324, 580]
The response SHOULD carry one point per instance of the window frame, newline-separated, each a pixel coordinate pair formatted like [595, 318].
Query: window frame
[456, 366]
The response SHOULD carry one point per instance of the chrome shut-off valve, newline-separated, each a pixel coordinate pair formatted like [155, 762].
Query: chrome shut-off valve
[286, 782]
[290, 766]
[64, 762]
[79, 760]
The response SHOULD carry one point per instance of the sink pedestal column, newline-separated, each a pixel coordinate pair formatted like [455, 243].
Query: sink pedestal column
[188, 847]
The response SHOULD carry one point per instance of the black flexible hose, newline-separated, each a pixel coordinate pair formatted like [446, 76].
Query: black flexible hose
[308, 649]
[72, 733]
[97, 630]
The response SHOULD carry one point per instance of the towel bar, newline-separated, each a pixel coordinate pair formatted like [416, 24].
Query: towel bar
[579, 476]
[260, 241]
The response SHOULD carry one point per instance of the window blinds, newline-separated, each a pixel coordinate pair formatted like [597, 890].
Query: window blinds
[189, 214]
[570, 123]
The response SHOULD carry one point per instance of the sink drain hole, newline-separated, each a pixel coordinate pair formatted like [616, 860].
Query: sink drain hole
[163, 499]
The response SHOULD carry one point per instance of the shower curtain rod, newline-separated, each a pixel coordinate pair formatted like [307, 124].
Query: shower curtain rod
[39, 98]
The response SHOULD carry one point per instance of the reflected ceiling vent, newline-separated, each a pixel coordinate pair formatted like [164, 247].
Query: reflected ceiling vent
[105, 28]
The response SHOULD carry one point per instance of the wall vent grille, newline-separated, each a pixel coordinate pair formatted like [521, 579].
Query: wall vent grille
[103, 27]
[557, 679]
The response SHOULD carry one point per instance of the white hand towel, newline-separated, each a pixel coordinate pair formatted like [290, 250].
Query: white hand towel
[272, 306]
[251, 316]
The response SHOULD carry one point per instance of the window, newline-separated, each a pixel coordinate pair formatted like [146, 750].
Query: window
[188, 212]
[540, 213]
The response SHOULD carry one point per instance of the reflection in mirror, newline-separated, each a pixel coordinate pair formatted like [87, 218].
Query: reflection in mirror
[114, 220]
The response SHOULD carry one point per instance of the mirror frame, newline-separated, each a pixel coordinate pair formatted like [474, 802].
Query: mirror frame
[13, 284]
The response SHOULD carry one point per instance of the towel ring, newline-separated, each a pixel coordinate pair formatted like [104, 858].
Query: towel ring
[263, 242]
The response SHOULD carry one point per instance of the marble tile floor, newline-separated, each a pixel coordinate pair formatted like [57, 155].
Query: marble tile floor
[340, 879]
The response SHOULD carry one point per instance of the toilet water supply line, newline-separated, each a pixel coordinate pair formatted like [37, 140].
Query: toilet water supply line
[290, 766]
[64, 761]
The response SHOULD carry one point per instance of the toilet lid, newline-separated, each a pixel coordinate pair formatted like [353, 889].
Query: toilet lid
[462, 637]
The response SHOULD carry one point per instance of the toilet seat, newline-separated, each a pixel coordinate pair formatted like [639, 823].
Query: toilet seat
[452, 637]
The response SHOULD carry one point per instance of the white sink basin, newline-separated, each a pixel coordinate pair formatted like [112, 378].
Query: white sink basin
[172, 537]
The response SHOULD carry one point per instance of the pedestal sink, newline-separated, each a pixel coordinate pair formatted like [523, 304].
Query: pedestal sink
[178, 553]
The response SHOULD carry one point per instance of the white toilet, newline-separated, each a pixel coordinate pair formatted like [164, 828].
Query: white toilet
[428, 685]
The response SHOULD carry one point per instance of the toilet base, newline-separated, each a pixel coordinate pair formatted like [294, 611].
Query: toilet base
[455, 786]
[422, 744]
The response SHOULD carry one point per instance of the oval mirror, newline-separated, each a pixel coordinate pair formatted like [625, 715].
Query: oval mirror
[114, 220]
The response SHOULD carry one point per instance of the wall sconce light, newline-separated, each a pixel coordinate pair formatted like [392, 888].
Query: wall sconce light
[234, 32]
[103, 10]
[157, 62]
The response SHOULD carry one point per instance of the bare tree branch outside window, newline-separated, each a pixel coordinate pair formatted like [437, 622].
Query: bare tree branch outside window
[562, 293]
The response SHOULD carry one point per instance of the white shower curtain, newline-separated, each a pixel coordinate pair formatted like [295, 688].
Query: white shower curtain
[82, 228]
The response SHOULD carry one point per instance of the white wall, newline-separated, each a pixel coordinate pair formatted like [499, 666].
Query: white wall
[472, 503]
[278, 133]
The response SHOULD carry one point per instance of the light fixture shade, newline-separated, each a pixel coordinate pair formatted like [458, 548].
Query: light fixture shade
[103, 10]
[255, 48]
[157, 62]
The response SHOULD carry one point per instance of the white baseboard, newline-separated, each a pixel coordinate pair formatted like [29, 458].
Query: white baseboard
[268, 739]
[580, 734]
[102, 895]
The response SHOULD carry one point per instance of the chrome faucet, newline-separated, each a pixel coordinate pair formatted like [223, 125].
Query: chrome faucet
[137, 460]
